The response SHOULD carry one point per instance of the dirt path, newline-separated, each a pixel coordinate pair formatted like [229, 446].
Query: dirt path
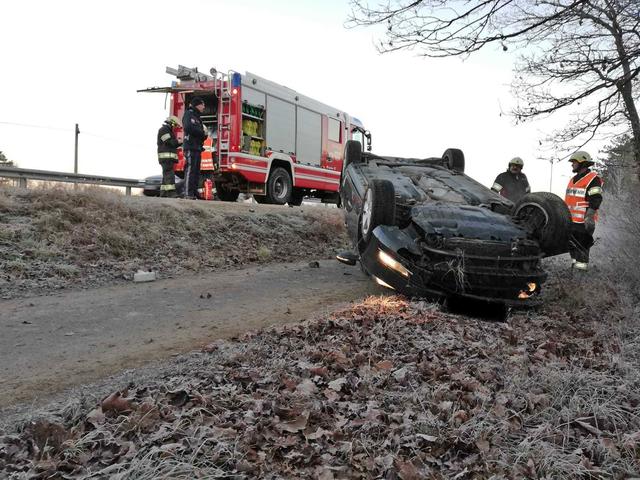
[55, 342]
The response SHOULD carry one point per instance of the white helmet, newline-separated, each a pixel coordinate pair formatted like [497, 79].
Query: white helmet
[173, 121]
[516, 161]
[581, 157]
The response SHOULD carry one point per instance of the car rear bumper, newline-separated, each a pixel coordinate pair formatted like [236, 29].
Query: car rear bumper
[420, 271]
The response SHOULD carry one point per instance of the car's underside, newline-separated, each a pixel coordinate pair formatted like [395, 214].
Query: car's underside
[449, 236]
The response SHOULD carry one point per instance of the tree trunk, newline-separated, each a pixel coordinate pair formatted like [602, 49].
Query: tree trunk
[625, 88]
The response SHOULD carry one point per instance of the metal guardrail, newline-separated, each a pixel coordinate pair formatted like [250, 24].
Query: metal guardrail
[24, 174]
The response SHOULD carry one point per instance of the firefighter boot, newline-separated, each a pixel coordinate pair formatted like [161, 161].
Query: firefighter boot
[168, 191]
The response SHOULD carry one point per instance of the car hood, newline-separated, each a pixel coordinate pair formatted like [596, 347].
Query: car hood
[450, 220]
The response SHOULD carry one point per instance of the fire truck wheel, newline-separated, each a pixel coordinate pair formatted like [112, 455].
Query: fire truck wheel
[279, 186]
[225, 194]
[296, 198]
[453, 159]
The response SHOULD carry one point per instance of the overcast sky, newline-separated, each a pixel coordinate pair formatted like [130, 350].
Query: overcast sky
[81, 61]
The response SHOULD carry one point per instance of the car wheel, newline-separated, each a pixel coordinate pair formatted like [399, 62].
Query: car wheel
[379, 207]
[260, 199]
[547, 218]
[150, 193]
[453, 159]
[279, 186]
[225, 194]
[352, 153]
[296, 198]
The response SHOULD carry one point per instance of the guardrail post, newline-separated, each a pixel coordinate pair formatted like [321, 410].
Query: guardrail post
[128, 191]
[22, 182]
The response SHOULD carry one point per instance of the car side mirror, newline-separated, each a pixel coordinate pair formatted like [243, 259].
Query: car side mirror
[348, 258]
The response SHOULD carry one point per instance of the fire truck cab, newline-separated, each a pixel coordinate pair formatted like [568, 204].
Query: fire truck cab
[265, 139]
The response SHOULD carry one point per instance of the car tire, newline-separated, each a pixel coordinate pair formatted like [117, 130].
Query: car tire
[453, 159]
[378, 207]
[279, 186]
[296, 198]
[225, 194]
[150, 193]
[547, 218]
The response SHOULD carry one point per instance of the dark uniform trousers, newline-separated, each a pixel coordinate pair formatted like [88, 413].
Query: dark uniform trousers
[581, 243]
[192, 172]
[168, 187]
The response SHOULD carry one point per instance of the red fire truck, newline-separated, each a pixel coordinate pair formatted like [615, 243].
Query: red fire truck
[264, 138]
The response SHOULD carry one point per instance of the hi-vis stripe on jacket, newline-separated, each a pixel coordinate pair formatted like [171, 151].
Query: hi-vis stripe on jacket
[167, 143]
[576, 196]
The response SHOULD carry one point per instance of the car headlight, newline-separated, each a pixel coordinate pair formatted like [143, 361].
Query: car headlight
[382, 283]
[529, 291]
[390, 262]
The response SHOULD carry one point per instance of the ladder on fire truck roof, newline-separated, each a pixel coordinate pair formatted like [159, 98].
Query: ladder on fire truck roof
[221, 86]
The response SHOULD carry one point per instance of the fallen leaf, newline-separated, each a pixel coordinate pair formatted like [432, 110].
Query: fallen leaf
[427, 438]
[306, 387]
[319, 371]
[407, 470]
[483, 445]
[116, 403]
[384, 365]
[460, 417]
[319, 433]
[95, 417]
[337, 384]
[295, 425]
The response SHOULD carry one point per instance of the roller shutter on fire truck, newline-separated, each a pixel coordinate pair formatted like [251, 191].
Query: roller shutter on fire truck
[281, 125]
[308, 142]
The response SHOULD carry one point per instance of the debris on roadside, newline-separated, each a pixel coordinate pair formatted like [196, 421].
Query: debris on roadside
[142, 276]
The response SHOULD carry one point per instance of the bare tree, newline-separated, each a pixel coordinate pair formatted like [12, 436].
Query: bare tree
[5, 162]
[579, 55]
[618, 163]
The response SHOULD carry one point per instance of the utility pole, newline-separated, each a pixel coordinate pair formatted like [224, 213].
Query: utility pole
[551, 175]
[75, 158]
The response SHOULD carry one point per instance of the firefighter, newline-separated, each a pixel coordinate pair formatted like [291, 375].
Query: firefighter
[194, 136]
[583, 197]
[512, 184]
[168, 155]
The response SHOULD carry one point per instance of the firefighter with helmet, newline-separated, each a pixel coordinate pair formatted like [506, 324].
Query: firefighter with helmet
[583, 197]
[512, 184]
[168, 155]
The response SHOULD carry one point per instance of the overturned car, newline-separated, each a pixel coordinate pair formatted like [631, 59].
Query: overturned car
[424, 228]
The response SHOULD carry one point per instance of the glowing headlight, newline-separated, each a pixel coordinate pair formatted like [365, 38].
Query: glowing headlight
[531, 289]
[383, 283]
[393, 264]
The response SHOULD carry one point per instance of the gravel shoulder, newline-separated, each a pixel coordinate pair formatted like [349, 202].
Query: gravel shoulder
[55, 342]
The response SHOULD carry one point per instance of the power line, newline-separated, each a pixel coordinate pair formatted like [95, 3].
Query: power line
[37, 126]
[84, 132]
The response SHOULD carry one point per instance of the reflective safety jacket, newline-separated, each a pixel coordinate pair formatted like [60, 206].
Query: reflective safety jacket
[584, 191]
[167, 143]
[206, 159]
